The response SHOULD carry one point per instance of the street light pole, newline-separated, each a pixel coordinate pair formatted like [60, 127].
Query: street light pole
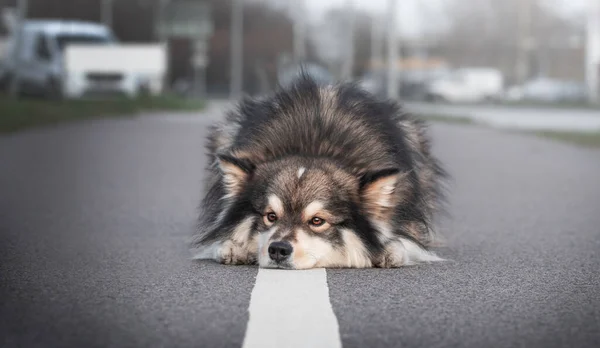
[393, 47]
[348, 64]
[106, 13]
[592, 61]
[524, 40]
[163, 38]
[298, 16]
[237, 47]
[160, 33]
[376, 41]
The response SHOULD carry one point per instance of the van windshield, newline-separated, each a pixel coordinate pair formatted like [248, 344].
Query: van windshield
[68, 39]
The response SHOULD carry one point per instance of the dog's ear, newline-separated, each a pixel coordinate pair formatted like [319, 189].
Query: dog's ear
[236, 172]
[380, 190]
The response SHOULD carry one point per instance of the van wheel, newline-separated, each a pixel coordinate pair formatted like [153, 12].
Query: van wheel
[22, 90]
[5, 82]
[490, 99]
[53, 89]
[143, 91]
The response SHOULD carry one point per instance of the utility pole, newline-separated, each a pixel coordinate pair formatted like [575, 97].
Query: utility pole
[160, 35]
[592, 61]
[15, 82]
[524, 40]
[348, 64]
[393, 73]
[237, 47]
[106, 13]
[376, 41]
[163, 37]
[298, 15]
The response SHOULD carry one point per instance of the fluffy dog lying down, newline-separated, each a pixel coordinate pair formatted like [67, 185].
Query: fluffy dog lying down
[318, 176]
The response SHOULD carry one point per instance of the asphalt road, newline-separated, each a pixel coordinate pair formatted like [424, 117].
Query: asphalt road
[94, 218]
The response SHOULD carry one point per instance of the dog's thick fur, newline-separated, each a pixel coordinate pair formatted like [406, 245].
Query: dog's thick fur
[340, 177]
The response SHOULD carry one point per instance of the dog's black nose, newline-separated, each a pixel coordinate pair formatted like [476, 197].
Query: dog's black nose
[279, 251]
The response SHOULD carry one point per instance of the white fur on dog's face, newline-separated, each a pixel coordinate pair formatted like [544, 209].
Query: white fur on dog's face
[314, 252]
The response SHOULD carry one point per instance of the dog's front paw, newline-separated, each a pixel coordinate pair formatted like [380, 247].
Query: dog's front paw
[232, 253]
[227, 253]
[391, 257]
[403, 253]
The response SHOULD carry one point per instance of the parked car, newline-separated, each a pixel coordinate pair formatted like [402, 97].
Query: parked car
[413, 84]
[467, 85]
[62, 59]
[39, 62]
[547, 90]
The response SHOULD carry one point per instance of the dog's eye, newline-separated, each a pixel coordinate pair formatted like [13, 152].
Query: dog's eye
[271, 217]
[317, 221]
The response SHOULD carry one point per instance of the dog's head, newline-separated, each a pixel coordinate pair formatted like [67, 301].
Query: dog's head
[310, 212]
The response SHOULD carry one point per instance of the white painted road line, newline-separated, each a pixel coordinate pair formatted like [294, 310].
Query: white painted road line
[291, 309]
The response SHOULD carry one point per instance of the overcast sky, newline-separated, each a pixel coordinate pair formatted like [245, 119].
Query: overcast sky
[408, 10]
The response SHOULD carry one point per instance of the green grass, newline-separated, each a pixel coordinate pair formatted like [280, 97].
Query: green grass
[21, 114]
[582, 105]
[557, 105]
[446, 119]
[588, 139]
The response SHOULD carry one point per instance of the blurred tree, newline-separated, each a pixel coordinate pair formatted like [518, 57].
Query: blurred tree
[328, 37]
[495, 33]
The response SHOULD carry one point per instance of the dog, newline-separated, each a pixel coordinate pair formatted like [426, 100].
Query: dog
[319, 176]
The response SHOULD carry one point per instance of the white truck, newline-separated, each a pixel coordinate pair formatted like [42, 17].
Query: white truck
[467, 85]
[73, 59]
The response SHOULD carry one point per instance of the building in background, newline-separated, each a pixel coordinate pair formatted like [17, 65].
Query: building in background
[477, 33]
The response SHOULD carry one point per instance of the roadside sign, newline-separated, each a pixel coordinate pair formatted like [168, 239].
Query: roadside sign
[200, 57]
[186, 18]
[200, 61]
[200, 46]
[190, 19]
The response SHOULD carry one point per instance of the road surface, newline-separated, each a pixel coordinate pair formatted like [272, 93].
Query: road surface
[94, 218]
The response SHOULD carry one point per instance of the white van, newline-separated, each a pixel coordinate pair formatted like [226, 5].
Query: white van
[468, 85]
[75, 58]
